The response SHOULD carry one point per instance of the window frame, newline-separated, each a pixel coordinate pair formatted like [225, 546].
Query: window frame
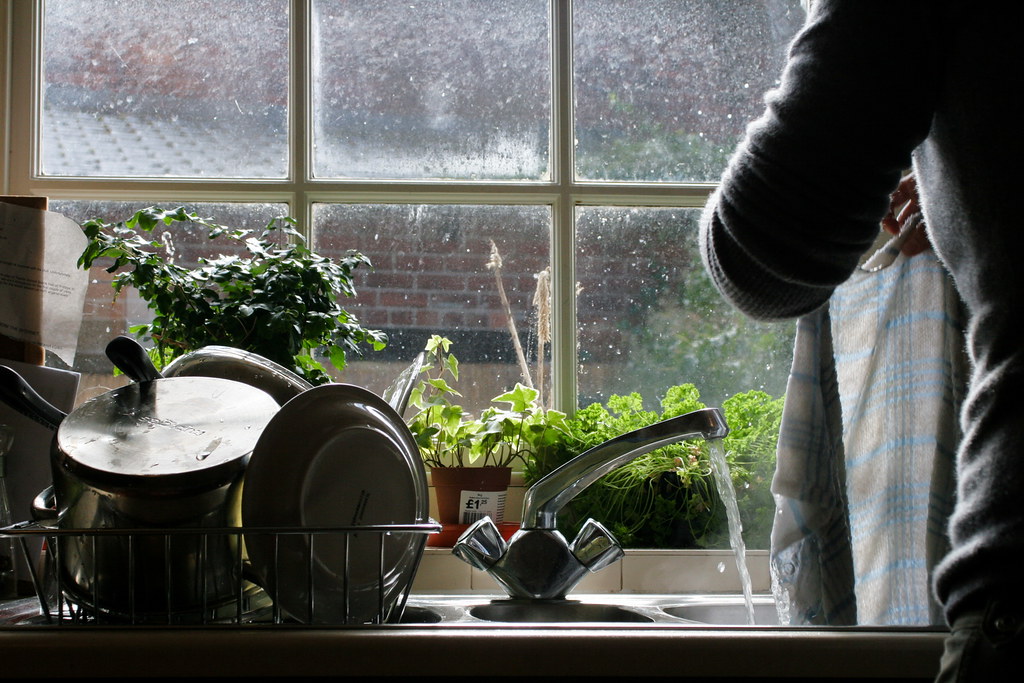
[20, 27]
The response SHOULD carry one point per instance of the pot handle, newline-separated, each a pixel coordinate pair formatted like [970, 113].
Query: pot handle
[131, 358]
[16, 393]
[44, 507]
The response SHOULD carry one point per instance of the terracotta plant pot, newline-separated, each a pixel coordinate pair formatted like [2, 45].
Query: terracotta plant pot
[465, 494]
[469, 493]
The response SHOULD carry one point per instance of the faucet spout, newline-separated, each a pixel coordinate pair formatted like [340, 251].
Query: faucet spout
[551, 493]
[538, 563]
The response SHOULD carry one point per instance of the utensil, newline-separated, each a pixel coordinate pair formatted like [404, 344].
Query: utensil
[131, 358]
[356, 465]
[397, 394]
[241, 366]
[159, 454]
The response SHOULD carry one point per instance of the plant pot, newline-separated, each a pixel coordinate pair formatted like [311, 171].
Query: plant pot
[466, 494]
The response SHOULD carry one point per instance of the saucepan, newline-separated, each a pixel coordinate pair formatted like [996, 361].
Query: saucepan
[228, 362]
[161, 453]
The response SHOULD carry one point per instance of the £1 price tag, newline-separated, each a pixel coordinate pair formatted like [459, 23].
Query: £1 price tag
[474, 505]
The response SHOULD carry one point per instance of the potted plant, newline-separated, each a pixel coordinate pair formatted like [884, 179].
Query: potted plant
[667, 498]
[271, 295]
[471, 457]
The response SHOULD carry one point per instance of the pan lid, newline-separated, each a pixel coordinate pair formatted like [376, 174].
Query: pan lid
[249, 368]
[175, 434]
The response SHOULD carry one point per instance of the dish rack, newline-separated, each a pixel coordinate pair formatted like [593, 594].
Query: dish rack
[368, 587]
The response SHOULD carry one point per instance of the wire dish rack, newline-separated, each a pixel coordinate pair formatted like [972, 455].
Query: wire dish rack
[252, 576]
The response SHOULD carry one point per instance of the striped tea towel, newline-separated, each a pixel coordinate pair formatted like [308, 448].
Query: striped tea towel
[812, 568]
[898, 342]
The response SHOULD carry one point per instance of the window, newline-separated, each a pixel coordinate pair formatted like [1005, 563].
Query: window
[580, 137]
[576, 141]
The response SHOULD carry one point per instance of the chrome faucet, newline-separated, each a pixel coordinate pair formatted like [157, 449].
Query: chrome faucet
[537, 562]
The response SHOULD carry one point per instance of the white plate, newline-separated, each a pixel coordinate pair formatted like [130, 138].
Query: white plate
[335, 455]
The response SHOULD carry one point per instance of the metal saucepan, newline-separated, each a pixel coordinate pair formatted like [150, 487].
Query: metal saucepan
[241, 366]
[163, 453]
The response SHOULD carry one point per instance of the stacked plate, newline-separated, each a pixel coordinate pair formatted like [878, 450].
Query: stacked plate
[334, 456]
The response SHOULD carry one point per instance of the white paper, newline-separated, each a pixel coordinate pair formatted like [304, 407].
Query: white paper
[42, 289]
[476, 505]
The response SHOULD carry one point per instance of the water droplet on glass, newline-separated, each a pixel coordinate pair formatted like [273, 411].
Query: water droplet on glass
[721, 567]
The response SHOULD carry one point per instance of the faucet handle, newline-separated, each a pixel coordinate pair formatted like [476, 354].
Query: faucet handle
[481, 545]
[595, 547]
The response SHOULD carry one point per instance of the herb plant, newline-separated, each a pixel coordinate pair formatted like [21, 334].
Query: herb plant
[274, 296]
[503, 434]
[667, 498]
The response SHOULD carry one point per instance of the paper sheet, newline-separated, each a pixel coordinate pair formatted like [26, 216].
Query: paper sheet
[42, 289]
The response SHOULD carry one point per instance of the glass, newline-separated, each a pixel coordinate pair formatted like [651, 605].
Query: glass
[649, 317]
[104, 317]
[165, 88]
[665, 88]
[430, 276]
[454, 89]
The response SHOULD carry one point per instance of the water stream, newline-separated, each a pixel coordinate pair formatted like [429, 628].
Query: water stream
[723, 480]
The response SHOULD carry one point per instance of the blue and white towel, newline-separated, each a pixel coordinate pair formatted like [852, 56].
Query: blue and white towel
[896, 342]
[812, 565]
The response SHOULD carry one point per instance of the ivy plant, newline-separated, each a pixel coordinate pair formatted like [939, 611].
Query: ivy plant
[272, 295]
[501, 435]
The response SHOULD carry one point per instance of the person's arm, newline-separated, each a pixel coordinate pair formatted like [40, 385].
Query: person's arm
[805, 192]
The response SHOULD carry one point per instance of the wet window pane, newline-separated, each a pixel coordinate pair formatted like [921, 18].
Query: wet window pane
[455, 89]
[431, 275]
[103, 317]
[649, 317]
[665, 88]
[165, 88]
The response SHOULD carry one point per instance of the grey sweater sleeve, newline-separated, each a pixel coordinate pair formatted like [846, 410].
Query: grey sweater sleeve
[803, 195]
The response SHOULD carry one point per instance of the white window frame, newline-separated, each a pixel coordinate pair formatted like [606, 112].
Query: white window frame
[20, 22]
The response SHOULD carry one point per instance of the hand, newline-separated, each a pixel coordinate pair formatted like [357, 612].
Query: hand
[905, 215]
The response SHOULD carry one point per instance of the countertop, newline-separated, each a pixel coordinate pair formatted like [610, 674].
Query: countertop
[689, 653]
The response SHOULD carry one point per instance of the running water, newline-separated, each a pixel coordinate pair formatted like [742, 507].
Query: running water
[723, 480]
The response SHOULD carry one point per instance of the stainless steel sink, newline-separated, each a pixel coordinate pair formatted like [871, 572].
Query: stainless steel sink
[685, 610]
[560, 611]
[415, 614]
[724, 613]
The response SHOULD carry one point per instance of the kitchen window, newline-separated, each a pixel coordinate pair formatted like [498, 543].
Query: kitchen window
[579, 138]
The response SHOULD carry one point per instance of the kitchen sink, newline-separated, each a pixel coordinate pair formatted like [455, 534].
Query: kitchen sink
[724, 613]
[560, 611]
[717, 610]
[415, 614]
[491, 610]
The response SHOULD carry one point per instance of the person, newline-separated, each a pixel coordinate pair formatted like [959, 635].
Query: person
[904, 217]
[869, 89]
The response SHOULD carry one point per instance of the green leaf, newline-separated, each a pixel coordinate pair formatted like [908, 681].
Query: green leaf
[521, 397]
[263, 297]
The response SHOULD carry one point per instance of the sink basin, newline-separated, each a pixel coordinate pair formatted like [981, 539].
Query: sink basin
[420, 615]
[724, 613]
[656, 610]
[556, 611]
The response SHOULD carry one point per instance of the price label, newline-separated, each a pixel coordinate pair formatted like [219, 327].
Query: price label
[476, 505]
